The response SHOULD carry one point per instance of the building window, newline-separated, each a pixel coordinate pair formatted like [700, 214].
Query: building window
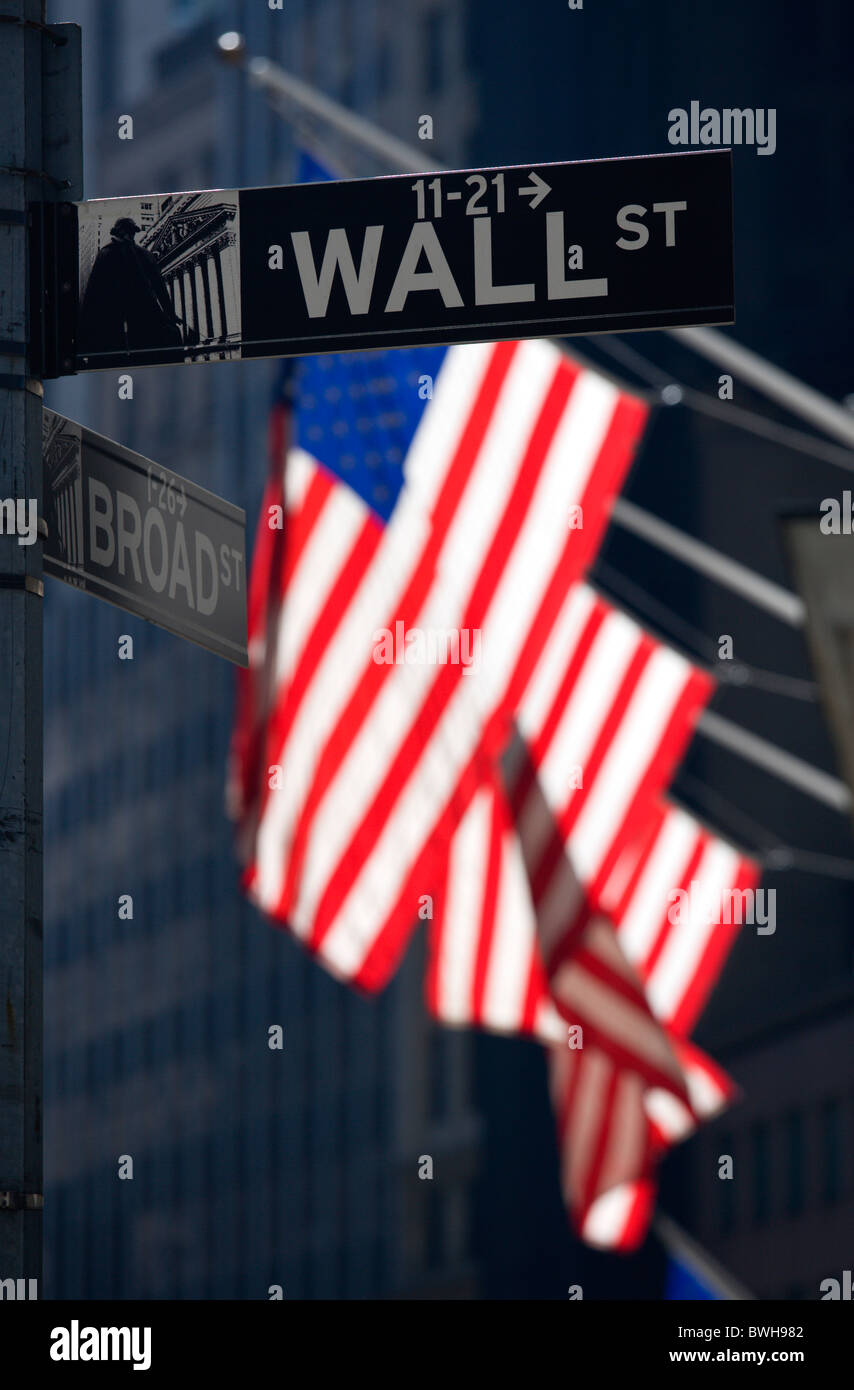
[383, 1090]
[148, 768]
[346, 56]
[439, 1080]
[210, 883]
[434, 51]
[831, 1152]
[183, 10]
[208, 166]
[726, 1211]
[309, 42]
[107, 28]
[169, 180]
[180, 889]
[795, 1164]
[761, 1174]
[107, 784]
[384, 67]
[179, 751]
[347, 87]
[434, 1243]
[210, 736]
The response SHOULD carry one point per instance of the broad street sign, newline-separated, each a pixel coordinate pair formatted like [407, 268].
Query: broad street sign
[466, 256]
[147, 540]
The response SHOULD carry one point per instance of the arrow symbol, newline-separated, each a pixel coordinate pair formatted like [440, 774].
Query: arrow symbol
[536, 190]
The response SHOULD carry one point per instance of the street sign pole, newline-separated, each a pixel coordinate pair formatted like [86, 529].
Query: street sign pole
[40, 159]
[21, 645]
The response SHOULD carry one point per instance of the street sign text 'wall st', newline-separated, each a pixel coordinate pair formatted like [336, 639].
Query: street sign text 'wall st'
[596, 246]
[153, 543]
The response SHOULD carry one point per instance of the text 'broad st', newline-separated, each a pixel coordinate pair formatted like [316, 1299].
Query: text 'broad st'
[155, 544]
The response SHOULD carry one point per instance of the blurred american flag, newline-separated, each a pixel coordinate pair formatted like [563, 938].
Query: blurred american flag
[465, 491]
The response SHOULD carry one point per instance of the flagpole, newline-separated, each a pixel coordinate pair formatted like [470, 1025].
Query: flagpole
[682, 1247]
[764, 593]
[772, 381]
[289, 95]
[821, 786]
[291, 92]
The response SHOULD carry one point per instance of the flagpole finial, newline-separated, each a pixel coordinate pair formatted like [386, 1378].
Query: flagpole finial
[231, 47]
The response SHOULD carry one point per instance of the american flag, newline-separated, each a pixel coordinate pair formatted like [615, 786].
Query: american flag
[464, 491]
[523, 939]
[678, 949]
[598, 729]
[365, 765]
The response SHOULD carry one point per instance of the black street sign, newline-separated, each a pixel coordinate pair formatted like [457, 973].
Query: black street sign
[149, 541]
[465, 256]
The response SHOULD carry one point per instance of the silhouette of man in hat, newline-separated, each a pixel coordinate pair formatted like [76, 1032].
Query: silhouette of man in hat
[126, 306]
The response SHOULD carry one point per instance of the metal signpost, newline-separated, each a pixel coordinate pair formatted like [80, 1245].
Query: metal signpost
[40, 159]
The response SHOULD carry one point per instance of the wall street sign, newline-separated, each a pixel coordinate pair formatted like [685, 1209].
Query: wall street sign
[552, 249]
[153, 543]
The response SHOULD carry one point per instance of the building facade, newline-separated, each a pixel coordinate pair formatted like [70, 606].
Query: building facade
[298, 1168]
[599, 81]
[185, 1156]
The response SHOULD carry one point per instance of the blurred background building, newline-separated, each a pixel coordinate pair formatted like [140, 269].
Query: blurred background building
[252, 1167]
[298, 1168]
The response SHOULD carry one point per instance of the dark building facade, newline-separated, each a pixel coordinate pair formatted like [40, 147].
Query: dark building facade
[254, 1169]
[298, 1168]
[602, 81]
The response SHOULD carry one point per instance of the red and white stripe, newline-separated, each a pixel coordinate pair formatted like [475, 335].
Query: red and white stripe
[254, 692]
[679, 957]
[607, 706]
[600, 725]
[484, 967]
[679, 950]
[620, 1106]
[379, 761]
[618, 1217]
[384, 767]
[604, 1143]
